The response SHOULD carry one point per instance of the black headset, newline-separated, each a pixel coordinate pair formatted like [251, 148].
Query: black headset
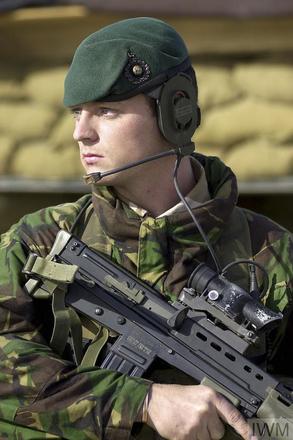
[177, 110]
[175, 93]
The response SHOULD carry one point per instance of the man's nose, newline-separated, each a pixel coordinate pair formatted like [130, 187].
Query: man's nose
[85, 129]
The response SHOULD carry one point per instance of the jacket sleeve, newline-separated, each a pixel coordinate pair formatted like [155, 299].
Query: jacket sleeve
[40, 392]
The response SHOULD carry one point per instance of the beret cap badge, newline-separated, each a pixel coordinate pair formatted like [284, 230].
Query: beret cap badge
[136, 70]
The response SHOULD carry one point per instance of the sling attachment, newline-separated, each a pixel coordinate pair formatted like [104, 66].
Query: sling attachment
[46, 269]
[50, 280]
[94, 349]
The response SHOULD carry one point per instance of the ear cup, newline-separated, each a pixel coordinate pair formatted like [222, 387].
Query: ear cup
[177, 110]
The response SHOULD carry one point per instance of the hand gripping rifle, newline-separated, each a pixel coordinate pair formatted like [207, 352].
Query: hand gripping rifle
[207, 333]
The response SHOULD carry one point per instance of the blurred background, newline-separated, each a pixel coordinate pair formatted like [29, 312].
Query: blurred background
[242, 53]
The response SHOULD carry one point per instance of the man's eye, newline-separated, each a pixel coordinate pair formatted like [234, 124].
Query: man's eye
[105, 111]
[76, 113]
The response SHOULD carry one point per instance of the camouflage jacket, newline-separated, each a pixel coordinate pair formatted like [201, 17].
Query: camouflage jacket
[45, 396]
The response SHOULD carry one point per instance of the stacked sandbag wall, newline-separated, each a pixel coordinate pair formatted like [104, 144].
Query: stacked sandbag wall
[247, 114]
[36, 131]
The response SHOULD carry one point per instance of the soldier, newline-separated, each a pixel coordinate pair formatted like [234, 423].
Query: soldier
[133, 94]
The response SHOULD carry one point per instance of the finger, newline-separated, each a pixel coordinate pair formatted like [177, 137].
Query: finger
[203, 434]
[233, 417]
[216, 428]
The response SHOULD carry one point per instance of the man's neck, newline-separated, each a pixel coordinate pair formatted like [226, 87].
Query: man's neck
[156, 193]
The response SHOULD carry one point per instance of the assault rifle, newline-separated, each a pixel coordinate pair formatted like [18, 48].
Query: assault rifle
[207, 333]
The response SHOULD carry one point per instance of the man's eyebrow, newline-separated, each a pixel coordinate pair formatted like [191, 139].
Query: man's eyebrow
[74, 108]
[97, 105]
[109, 104]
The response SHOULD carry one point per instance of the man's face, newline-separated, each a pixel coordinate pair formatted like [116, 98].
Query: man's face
[112, 134]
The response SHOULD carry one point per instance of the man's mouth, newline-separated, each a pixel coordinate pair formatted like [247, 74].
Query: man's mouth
[90, 158]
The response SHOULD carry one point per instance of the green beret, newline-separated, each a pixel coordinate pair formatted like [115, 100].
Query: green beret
[123, 59]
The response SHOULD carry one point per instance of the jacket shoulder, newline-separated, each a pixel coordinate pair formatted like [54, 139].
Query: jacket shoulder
[37, 230]
[266, 232]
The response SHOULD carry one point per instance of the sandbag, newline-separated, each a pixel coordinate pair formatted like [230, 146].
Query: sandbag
[62, 132]
[247, 118]
[40, 160]
[215, 86]
[25, 120]
[46, 86]
[268, 81]
[208, 150]
[260, 159]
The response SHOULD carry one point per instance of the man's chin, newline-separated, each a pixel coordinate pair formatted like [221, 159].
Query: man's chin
[92, 169]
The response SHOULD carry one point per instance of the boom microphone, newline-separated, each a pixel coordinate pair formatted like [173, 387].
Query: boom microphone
[179, 151]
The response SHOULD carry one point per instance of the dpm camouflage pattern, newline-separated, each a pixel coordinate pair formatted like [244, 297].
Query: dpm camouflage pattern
[44, 396]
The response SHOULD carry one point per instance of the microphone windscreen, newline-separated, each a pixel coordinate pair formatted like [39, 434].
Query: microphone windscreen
[91, 178]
